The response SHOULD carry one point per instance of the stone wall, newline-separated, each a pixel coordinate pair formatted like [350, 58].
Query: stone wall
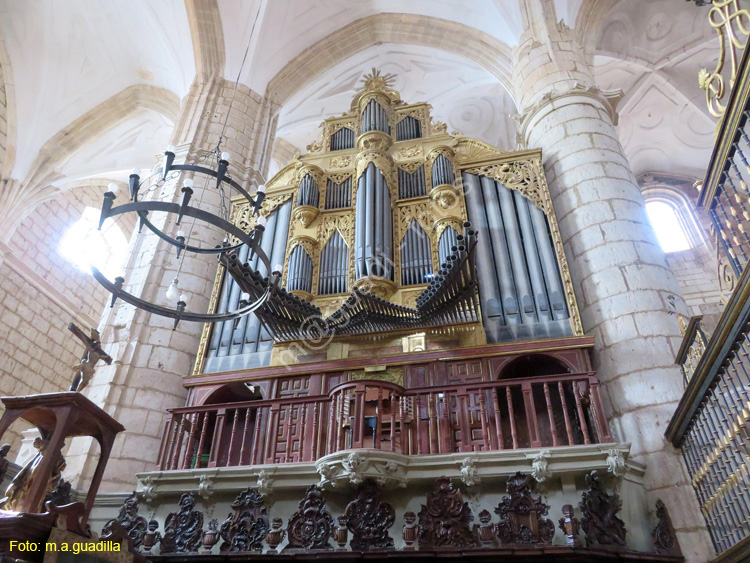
[695, 270]
[40, 294]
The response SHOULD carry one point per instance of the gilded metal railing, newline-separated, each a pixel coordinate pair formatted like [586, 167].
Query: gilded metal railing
[692, 348]
[712, 422]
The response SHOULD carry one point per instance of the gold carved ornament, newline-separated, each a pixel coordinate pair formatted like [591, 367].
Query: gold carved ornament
[527, 177]
[732, 24]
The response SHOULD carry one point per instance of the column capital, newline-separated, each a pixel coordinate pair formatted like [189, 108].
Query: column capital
[554, 99]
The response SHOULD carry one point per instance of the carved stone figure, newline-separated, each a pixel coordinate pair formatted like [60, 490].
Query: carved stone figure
[245, 528]
[411, 530]
[615, 462]
[19, 487]
[569, 524]
[540, 466]
[151, 537]
[522, 516]
[665, 538]
[276, 534]
[445, 521]
[600, 522]
[183, 530]
[311, 526]
[369, 518]
[469, 473]
[4, 463]
[134, 525]
[83, 371]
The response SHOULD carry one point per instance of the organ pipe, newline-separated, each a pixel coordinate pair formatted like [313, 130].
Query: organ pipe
[532, 258]
[549, 263]
[342, 139]
[339, 196]
[300, 269]
[442, 171]
[416, 256]
[334, 262]
[374, 226]
[411, 185]
[447, 242]
[308, 192]
[408, 128]
[374, 118]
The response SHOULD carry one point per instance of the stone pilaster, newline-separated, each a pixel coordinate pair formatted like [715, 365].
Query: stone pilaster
[627, 294]
[151, 359]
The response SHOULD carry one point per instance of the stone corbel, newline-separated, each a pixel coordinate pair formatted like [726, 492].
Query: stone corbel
[205, 486]
[540, 466]
[352, 468]
[469, 473]
[264, 483]
[148, 493]
[615, 462]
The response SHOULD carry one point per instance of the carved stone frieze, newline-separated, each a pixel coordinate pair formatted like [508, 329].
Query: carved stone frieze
[369, 518]
[600, 522]
[135, 526]
[312, 525]
[445, 520]
[522, 516]
[245, 529]
[183, 530]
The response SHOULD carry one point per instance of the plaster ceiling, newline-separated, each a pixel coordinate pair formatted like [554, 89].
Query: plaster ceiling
[288, 27]
[652, 51]
[70, 56]
[464, 96]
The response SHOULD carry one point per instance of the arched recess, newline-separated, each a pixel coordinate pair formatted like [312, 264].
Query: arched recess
[478, 46]
[534, 365]
[17, 202]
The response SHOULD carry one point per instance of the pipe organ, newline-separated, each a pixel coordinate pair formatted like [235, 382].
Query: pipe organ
[376, 212]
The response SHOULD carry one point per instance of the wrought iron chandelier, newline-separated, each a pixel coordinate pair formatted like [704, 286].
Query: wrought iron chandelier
[219, 174]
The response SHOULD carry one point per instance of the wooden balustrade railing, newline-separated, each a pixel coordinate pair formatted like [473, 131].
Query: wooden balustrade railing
[507, 414]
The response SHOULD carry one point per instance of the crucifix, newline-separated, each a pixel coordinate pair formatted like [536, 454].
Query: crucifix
[84, 370]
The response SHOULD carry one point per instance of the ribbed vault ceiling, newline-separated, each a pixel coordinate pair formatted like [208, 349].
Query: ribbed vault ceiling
[69, 58]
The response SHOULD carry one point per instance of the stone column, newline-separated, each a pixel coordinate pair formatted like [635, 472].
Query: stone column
[150, 359]
[627, 294]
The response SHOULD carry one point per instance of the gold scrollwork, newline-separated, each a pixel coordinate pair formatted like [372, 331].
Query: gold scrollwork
[340, 161]
[410, 152]
[732, 24]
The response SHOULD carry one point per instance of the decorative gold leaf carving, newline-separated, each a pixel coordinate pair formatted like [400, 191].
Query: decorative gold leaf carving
[341, 161]
[410, 152]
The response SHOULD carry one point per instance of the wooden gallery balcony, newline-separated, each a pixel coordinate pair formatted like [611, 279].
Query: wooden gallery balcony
[502, 397]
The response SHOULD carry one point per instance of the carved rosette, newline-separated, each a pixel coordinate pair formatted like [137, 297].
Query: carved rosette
[312, 525]
[245, 529]
[369, 518]
[522, 516]
[445, 521]
[128, 518]
[183, 530]
[600, 522]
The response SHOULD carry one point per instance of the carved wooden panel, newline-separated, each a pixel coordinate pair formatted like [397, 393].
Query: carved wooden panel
[183, 529]
[522, 516]
[134, 525]
[445, 521]
[312, 525]
[600, 522]
[246, 527]
[293, 387]
[369, 518]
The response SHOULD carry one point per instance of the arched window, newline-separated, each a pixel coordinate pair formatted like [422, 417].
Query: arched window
[669, 230]
[83, 245]
[672, 216]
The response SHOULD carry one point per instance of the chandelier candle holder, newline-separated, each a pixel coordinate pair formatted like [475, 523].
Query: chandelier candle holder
[181, 241]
